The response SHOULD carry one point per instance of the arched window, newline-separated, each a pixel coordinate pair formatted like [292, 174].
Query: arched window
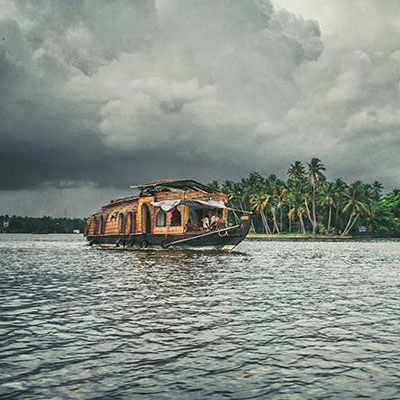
[161, 218]
[146, 219]
[176, 218]
[121, 223]
[132, 222]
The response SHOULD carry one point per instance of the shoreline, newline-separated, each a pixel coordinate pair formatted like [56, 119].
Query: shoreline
[309, 237]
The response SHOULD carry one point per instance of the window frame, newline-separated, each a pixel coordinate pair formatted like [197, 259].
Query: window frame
[121, 223]
[132, 221]
[172, 217]
[161, 212]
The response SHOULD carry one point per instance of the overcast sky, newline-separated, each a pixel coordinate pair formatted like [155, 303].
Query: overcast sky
[98, 95]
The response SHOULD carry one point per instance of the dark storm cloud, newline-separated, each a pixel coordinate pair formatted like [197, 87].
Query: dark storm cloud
[116, 92]
[113, 93]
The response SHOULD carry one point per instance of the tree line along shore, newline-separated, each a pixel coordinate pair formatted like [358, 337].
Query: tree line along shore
[16, 224]
[305, 204]
[308, 204]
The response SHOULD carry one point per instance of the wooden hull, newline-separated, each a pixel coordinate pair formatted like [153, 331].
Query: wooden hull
[224, 239]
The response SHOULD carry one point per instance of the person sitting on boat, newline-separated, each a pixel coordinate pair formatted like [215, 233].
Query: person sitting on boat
[217, 223]
[214, 221]
[221, 224]
[206, 223]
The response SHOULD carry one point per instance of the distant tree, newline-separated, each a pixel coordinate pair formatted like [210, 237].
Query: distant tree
[314, 175]
[328, 199]
[18, 224]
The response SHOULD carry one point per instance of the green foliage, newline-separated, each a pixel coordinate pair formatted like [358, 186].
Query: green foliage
[391, 202]
[16, 224]
[327, 231]
[307, 201]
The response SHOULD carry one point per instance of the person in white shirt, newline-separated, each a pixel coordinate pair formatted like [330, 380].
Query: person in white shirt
[214, 221]
[206, 223]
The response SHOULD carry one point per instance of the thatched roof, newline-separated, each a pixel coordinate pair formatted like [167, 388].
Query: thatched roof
[182, 184]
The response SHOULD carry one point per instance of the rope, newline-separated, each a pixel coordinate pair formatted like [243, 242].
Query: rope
[242, 211]
[204, 234]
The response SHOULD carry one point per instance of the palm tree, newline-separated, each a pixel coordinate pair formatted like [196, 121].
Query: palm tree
[307, 198]
[376, 190]
[297, 209]
[340, 190]
[234, 192]
[272, 185]
[296, 171]
[230, 188]
[306, 189]
[214, 185]
[259, 202]
[297, 192]
[313, 176]
[282, 195]
[328, 199]
[253, 184]
[355, 203]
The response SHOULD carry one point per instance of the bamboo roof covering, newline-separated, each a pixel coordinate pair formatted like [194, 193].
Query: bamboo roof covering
[182, 184]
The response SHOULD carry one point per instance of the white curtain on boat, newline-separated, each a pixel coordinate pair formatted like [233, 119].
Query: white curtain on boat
[212, 203]
[167, 205]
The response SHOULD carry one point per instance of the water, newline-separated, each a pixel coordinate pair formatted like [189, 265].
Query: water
[276, 320]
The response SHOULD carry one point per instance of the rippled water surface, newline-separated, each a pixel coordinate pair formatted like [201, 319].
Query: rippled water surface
[279, 320]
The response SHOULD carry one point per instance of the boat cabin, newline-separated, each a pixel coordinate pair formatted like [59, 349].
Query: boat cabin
[165, 207]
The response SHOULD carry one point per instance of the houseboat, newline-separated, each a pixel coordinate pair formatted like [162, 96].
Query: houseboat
[168, 214]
